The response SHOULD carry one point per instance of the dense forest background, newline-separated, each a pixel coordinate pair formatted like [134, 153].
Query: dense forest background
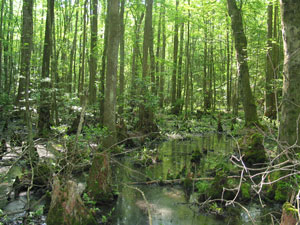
[191, 64]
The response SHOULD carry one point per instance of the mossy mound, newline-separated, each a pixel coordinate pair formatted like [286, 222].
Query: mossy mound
[289, 214]
[251, 146]
[99, 182]
[66, 207]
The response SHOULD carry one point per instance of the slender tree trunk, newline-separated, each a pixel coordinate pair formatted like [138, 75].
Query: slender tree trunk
[11, 50]
[179, 75]
[289, 124]
[93, 55]
[152, 60]
[175, 54]
[72, 54]
[44, 107]
[54, 79]
[7, 47]
[243, 70]
[82, 75]
[205, 77]
[276, 54]
[135, 54]
[146, 119]
[103, 69]
[122, 59]
[163, 57]
[158, 48]
[26, 49]
[111, 77]
[187, 69]
[270, 110]
[228, 83]
[1, 45]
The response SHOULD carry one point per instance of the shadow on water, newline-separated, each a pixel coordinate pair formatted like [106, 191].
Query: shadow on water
[168, 203]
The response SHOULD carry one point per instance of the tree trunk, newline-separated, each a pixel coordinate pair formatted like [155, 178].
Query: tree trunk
[82, 75]
[1, 46]
[44, 107]
[135, 54]
[122, 59]
[158, 52]
[228, 81]
[289, 125]
[270, 110]
[146, 118]
[67, 206]
[187, 69]
[179, 75]
[72, 54]
[175, 53]
[103, 69]
[243, 70]
[93, 55]
[163, 57]
[109, 116]
[26, 49]
[205, 77]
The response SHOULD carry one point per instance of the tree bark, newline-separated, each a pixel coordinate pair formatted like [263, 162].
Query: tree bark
[1, 45]
[270, 110]
[179, 75]
[289, 124]
[228, 74]
[44, 107]
[111, 74]
[242, 57]
[72, 54]
[104, 58]
[82, 74]
[93, 55]
[163, 57]
[122, 59]
[187, 69]
[146, 118]
[135, 54]
[175, 60]
[26, 49]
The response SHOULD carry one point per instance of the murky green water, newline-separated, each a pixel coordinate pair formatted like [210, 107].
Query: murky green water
[168, 203]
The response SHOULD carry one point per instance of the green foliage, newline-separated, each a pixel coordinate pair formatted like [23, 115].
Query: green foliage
[95, 133]
[289, 208]
[246, 191]
[282, 190]
[86, 198]
[203, 186]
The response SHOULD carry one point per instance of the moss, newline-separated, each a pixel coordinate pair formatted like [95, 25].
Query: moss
[99, 182]
[289, 208]
[55, 216]
[281, 191]
[220, 181]
[245, 191]
[67, 207]
[252, 148]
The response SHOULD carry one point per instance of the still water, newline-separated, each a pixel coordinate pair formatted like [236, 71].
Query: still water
[168, 204]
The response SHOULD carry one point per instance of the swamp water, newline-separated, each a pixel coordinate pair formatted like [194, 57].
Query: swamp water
[167, 203]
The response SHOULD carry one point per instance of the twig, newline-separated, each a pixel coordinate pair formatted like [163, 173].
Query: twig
[145, 199]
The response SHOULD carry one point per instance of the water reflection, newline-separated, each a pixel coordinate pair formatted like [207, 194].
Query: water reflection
[167, 203]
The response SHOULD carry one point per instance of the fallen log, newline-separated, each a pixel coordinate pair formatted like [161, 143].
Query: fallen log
[174, 181]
